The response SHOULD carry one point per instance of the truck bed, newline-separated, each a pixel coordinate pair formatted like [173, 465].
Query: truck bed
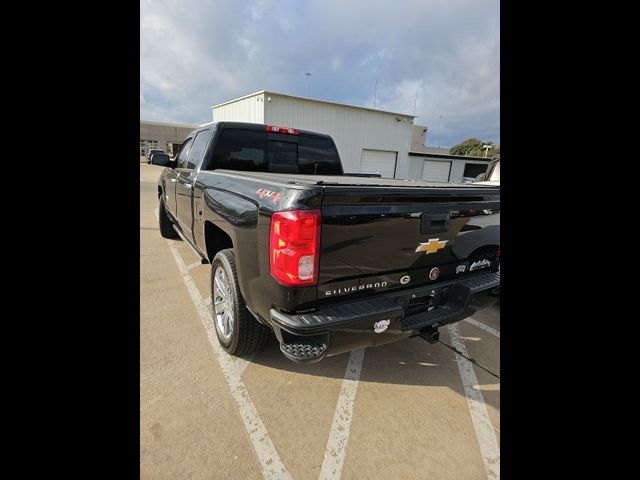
[348, 181]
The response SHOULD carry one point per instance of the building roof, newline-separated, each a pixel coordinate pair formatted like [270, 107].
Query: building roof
[425, 149]
[312, 100]
[438, 150]
[180, 125]
[413, 153]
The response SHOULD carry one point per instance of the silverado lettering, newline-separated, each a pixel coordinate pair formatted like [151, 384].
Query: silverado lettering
[355, 288]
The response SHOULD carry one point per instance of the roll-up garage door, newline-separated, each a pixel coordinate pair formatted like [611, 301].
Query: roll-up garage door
[378, 161]
[436, 171]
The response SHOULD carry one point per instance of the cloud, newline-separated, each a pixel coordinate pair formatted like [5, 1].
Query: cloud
[196, 54]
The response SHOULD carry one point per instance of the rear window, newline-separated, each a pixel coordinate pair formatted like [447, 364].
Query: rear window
[318, 155]
[256, 151]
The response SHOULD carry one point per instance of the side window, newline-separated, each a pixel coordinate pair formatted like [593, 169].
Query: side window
[198, 149]
[183, 156]
[241, 150]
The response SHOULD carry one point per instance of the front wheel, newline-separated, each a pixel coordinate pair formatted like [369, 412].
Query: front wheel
[238, 332]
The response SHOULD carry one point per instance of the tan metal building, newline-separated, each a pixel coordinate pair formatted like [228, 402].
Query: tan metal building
[166, 136]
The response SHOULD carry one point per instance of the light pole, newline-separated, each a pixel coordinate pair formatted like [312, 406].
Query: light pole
[486, 149]
[375, 91]
[438, 135]
[306, 85]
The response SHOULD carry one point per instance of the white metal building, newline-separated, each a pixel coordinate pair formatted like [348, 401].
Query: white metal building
[165, 136]
[440, 167]
[437, 164]
[368, 140]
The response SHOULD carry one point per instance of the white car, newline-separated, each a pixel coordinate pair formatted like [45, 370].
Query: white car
[492, 175]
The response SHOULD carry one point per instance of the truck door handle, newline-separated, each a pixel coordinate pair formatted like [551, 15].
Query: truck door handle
[188, 185]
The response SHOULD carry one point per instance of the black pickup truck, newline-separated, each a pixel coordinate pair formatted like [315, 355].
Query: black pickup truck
[329, 262]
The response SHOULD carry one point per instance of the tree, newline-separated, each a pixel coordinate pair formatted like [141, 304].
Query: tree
[472, 147]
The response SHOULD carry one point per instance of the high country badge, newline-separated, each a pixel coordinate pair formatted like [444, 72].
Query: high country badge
[479, 264]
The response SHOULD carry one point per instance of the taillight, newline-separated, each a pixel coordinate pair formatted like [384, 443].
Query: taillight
[294, 247]
[290, 131]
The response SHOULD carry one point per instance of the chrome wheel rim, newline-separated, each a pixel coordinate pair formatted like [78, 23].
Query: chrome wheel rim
[223, 304]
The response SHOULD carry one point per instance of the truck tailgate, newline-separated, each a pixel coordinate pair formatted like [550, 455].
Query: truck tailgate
[377, 239]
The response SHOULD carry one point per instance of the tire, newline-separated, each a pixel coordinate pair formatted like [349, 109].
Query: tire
[238, 332]
[166, 226]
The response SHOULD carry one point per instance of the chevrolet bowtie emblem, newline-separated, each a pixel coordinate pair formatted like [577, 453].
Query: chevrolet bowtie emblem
[432, 246]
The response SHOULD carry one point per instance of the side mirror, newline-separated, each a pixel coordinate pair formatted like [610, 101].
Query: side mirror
[163, 161]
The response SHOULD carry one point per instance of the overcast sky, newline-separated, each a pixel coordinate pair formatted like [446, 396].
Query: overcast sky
[195, 54]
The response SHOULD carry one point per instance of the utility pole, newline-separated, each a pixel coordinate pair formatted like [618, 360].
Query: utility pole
[438, 135]
[375, 91]
[415, 101]
[306, 84]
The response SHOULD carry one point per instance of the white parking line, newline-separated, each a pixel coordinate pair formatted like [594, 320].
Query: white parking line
[268, 458]
[479, 416]
[336, 450]
[243, 363]
[484, 327]
[194, 265]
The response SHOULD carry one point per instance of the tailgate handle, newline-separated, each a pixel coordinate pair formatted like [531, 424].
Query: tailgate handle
[434, 222]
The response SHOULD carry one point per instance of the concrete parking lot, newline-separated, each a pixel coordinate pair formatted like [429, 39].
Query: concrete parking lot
[405, 410]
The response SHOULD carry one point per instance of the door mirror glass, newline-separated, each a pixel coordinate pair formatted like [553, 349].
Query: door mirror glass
[162, 160]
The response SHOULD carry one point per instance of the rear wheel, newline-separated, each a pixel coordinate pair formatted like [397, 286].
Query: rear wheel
[166, 227]
[238, 332]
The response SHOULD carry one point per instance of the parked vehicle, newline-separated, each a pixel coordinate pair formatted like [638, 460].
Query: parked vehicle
[492, 175]
[152, 151]
[328, 262]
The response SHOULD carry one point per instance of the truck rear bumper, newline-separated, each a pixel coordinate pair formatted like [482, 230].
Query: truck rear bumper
[385, 319]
